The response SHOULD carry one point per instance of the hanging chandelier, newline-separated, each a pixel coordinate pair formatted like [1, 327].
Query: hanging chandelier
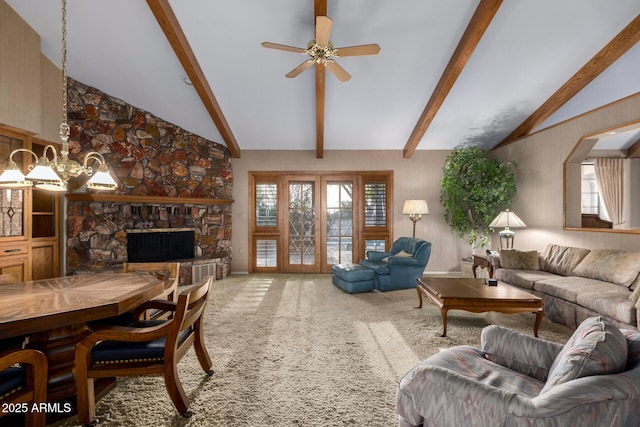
[53, 175]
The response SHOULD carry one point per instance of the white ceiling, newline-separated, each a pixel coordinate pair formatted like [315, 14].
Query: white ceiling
[528, 52]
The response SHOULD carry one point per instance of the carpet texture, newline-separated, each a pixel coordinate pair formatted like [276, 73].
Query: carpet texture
[294, 350]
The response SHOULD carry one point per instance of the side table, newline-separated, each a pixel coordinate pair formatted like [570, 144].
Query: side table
[483, 262]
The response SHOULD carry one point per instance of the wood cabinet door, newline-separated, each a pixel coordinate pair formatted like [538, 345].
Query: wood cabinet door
[44, 262]
[13, 270]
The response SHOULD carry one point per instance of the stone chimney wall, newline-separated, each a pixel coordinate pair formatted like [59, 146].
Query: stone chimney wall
[147, 156]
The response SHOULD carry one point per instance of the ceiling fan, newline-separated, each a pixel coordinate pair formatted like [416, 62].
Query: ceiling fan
[322, 51]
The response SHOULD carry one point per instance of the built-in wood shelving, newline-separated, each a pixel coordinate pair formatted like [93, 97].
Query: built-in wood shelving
[157, 200]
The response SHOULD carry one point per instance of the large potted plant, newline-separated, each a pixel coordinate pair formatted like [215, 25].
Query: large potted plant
[474, 189]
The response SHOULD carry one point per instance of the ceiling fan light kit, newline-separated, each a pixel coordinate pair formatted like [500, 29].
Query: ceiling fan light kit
[321, 51]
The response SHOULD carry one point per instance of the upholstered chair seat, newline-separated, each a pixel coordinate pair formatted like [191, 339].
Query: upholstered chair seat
[110, 353]
[12, 380]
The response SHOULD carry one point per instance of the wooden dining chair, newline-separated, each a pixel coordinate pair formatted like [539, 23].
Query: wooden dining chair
[22, 385]
[147, 347]
[162, 269]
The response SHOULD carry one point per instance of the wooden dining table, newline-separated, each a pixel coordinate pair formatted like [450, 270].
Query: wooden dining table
[54, 314]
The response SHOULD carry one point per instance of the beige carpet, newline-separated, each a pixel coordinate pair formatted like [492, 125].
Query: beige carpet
[293, 350]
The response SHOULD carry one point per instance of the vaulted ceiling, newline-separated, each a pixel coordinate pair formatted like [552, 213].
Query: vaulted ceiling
[449, 73]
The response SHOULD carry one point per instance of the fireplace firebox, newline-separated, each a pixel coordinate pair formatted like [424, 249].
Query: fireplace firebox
[160, 244]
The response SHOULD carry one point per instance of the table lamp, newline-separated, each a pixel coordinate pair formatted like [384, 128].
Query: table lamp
[507, 219]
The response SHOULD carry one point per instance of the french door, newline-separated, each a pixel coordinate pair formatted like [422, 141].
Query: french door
[306, 223]
[319, 217]
[338, 221]
[302, 231]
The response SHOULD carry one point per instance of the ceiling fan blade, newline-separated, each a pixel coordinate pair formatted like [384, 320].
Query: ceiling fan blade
[338, 71]
[365, 49]
[323, 29]
[300, 68]
[282, 47]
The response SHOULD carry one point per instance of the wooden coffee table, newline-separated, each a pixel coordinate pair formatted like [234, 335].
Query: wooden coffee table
[473, 295]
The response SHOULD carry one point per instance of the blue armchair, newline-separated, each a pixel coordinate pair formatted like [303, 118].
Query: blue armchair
[401, 267]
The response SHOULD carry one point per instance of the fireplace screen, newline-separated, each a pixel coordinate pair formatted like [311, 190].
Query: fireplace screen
[158, 246]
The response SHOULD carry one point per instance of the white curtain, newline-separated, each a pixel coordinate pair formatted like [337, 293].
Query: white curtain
[609, 178]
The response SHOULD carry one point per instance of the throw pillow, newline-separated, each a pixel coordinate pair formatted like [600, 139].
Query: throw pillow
[401, 254]
[597, 347]
[520, 260]
[562, 259]
[404, 254]
[610, 265]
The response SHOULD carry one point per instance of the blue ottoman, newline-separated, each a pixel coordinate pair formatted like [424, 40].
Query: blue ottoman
[352, 278]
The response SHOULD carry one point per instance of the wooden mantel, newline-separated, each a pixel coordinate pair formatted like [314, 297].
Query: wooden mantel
[128, 198]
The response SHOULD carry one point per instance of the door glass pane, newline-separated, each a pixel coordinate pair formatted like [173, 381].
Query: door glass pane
[266, 253]
[266, 204]
[375, 204]
[339, 213]
[302, 239]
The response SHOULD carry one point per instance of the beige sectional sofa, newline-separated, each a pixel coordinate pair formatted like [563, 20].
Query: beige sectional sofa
[576, 283]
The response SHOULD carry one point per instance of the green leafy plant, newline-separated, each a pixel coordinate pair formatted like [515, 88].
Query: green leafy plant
[474, 189]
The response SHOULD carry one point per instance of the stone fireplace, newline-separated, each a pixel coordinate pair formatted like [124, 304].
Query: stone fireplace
[98, 233]
[168, 179]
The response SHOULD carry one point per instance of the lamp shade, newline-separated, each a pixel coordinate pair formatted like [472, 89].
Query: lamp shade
[507, 219]
[101, 180]
[413, 207]
[12, 177]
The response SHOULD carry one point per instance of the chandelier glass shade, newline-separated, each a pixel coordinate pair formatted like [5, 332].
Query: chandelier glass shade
[43, 173]
[53, 175]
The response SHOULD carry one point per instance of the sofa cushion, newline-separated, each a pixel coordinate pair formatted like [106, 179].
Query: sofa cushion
[635, 295]
[597, 347]
[521, 260]
[562, 259]
[611, 265]
[379, 267]
[522, 278]
[614, 304]
[568, 288]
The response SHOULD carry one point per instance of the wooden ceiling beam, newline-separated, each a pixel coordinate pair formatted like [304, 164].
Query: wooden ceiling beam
[319, 9]
[609, 54]
[633, 152]
[167, 20]
[320, 90]
[480, 21]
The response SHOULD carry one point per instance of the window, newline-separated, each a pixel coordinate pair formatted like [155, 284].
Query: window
[590, 197]
[375, 204]
[266, 202]
[266, 253]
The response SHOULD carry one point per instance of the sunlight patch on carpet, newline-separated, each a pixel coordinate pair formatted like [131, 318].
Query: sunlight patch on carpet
[293, 302]
[249, 299]
[389, 355]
